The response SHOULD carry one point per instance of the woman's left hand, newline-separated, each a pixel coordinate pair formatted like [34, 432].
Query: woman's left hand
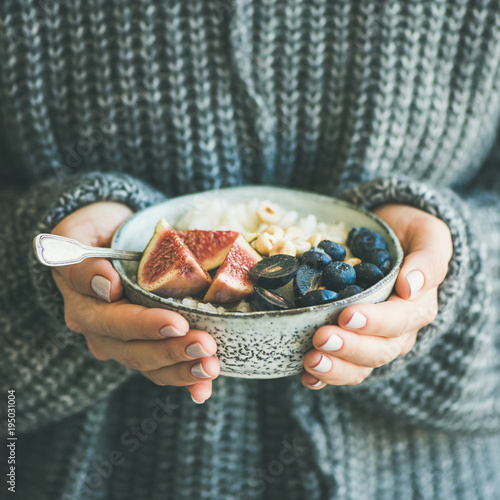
[372, 335]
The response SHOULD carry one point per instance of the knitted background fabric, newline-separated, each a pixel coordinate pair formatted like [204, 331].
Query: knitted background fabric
[373, 101]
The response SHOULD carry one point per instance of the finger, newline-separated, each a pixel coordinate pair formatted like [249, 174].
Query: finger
[428, 248]
[93, 277]
[391, 318]
[187, 373]
[362, 350]
[120, 320]
[146, 355]
[311, 382]
[200, 391]
[334, 371]
[93, 225]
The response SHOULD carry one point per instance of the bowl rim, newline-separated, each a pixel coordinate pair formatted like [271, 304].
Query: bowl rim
[171, 304]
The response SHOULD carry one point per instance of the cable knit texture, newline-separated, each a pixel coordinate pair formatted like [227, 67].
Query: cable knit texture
[374, 101]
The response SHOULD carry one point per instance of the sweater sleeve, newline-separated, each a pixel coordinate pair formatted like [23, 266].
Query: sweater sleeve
[50, 367]
[451, 378]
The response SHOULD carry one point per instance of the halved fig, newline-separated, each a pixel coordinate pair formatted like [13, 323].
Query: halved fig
[168, 268]
[232, 281]
[209, 247]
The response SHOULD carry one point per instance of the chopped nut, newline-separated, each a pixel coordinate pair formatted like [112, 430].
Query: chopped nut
[352, 261]
[267, 212]
[283, 247]
[316, 238]
[294, 232]
[264, 243]
[250, 236]
[301, 246]
[276, 231]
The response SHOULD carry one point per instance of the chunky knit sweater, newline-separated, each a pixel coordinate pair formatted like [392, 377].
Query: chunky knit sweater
[373, 101]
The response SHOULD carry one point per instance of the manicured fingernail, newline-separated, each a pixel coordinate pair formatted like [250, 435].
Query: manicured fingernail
[170, 331]
[325, 365]
[316, 384]
[198, 371]
[334, 343]
[416, 281]
[101, 287]
[196, 351]
[196, 401]
[358, 320]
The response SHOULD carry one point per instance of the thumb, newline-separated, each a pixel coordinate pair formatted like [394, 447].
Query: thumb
[93, 225]
[427, 244]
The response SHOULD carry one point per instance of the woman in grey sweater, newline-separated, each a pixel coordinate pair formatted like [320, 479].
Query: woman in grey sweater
[108, 106]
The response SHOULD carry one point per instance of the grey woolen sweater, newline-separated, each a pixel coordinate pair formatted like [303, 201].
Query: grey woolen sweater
[375, 101]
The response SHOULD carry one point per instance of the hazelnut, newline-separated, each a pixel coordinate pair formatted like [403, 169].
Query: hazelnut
[267, 212]
[352, 261]
[301, 246]
[283, 247]
[276, 231]
[264, 243]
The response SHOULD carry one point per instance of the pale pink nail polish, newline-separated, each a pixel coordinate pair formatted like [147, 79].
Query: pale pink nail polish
[325, 365]
[334, 343]
[170, 331]
[198, 371]
[196, 401]
[316, 384]
[196, 351]
[416, 281]
[101, 287]
[358, 320]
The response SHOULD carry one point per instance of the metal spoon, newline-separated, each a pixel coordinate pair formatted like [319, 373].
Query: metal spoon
[52, 250]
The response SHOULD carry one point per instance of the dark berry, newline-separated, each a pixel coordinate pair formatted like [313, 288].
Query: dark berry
[264, 300]
[334, 250]
[349, 291]
[338, 275]
[316, 258]
[367, 274]
[306, 279]
[275, 271]
[316, 297]
[362, 240]
[381, 258]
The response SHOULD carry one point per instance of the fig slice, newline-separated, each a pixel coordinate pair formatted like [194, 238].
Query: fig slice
[168, 268]
[209, 247]
[232, 281]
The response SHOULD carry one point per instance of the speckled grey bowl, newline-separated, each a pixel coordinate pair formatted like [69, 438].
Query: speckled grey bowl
[256, 344]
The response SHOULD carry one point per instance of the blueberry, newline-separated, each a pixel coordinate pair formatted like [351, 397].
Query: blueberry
[316, 258]
[381, 258]
[367, 274]
[306, 279]
[338, 275]
[316, 297]
[362, 240]
[334, 250]
[349, 291]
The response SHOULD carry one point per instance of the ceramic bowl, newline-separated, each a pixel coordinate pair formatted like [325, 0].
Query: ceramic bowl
[256, 344]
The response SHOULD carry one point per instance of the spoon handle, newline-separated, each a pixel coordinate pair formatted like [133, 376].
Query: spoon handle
[52, 250]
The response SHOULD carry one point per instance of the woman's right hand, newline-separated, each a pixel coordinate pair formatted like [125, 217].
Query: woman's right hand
[156, 342]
